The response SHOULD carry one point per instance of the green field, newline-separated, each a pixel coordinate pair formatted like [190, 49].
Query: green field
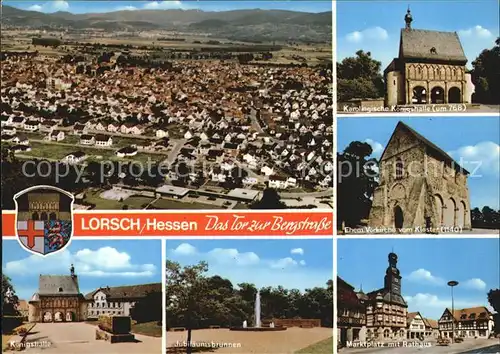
[139, 202]
[151, 329]
[57, 152]
[323, 347]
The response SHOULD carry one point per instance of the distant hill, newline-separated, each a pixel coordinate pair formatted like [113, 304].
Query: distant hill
[264, 24]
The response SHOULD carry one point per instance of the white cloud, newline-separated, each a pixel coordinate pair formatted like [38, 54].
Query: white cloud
[105, 261]
[377, 148]
[476, 32]
[482, 158]
[283, 263]
[302, 263]
[185, 249]
[297, 251]
[127, 8]
[51, 6]
[475, 284]
[373, 33]
[59, 5]
[431, 306]
[35, 8]
[163, 5]
[233, 256]
[424, 276]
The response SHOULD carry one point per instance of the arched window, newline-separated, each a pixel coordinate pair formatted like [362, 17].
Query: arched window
[35, 216]
[43, 216]
[399, 168]
[52, 216]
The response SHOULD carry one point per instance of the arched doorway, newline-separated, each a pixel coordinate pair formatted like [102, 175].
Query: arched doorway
[398, 217]
[454, 95]
[52, 216]
[47, 317]
[461, 214]
[439, 208]
[35, 216]
[419, 95]
[70, 316]
[437, 95]
[449, 213]
[58, 317]
[43, 216]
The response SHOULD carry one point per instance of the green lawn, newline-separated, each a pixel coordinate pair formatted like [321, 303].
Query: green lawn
[323, 347]
[133, 202]
[148, 329]
[55, 151]
[138, 202]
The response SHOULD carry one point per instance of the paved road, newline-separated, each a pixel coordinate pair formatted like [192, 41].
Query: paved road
[468, 346]
[79, 337]
[325, 193]
[490, 349]
[255, 121]
[172, 155]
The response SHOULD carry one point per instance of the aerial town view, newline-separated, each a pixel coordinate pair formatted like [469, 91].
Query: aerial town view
[414, 297]
[98, 296]
[169, 105]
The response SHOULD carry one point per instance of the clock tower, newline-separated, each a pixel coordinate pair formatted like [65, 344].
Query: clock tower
[392, 280]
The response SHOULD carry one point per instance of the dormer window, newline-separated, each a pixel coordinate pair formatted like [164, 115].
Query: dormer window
[433, 50]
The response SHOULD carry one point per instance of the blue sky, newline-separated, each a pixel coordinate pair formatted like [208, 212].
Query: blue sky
[374, 26]
[106, 6]
[474, 139]
[426, 265]
[292, 263]
[97, 264]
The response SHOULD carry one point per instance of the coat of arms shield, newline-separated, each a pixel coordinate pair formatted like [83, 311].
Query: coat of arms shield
[44, 219]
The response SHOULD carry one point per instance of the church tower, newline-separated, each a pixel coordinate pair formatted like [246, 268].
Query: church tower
[392, 279]
[408, 19]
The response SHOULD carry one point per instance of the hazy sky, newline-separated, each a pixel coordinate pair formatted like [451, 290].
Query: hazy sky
[292, 263]
[105, 6]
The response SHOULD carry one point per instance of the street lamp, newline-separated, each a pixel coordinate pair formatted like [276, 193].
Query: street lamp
[452, 284]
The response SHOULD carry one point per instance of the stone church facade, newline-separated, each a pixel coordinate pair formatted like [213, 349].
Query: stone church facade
[430, 69]
[58, 300]
[420, 187]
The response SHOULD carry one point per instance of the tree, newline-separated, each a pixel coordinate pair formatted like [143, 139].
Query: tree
[359, 77]
[356, 181]
[185, 290]
[494, 300]
[486, 76]
[270, 200]
[10, 300]
[148, 308]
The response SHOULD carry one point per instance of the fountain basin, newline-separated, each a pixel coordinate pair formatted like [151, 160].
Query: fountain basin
[257, 329]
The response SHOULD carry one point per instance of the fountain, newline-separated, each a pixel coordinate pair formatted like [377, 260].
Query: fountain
[257, 310]
[258, 322]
